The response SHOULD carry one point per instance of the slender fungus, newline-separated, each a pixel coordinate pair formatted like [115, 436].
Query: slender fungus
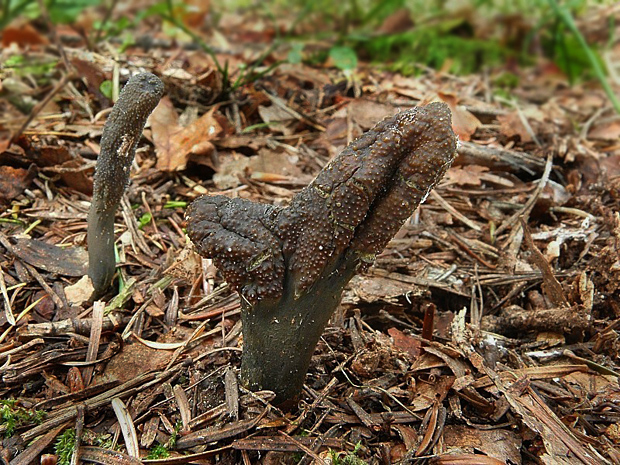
[121, 134]
[291, 264]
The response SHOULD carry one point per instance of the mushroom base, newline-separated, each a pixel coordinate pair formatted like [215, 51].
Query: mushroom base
[279, 338]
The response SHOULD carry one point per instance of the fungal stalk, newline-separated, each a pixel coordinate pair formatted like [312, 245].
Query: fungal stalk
[290, 265]
[121, 134]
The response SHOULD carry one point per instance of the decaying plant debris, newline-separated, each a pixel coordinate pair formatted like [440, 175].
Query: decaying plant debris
[512, 265]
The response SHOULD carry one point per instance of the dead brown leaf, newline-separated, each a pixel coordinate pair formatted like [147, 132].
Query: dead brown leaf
[186, 266]
[500, 445]
[339, 133]
[132, 361]
[465, 175]
[5, 136]
[23, 35]
[58, 159]
[230, 168]
[405, 343]
[466, 459]
[399, 21]
[511, 125]
[606, 131]
[464, 123]
[276, 161]
[366, 113]
[405, 86]
[93, 75]
[194, 12]
[13, 181]
[75, 380]
[72, 261]
[175, 144]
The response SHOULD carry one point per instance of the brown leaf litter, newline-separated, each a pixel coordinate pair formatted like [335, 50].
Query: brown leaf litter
[513, 267]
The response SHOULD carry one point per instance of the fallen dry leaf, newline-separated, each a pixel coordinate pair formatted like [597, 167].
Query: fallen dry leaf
[5, 136]
[405, 86]
[465, 459]
[230, 168]
[70, 167]
[406, 343]
[399, 21]
[464, 122]
[23, 35]
[447, 257]
[606, 131]
[511, 126]
[13, 181]
[501, 445]
[132, 361]
[175, 144]
[465, 175]
[71, 261]
[79, 292]
[366, 113]
[276, 161]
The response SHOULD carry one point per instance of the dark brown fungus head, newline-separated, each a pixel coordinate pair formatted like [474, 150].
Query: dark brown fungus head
[349, 212]
[238, 235]
[121, 134]
[429, 146]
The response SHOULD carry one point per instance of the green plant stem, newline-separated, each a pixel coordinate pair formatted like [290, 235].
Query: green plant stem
[8, 15]
[244, 77]
[569, 22]
[106, 18]
[170, 17]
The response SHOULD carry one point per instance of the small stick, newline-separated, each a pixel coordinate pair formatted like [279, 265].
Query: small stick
[94, 340]
[39, 106]
[551, 286]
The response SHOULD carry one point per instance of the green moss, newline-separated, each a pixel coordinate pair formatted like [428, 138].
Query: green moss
[12, 416]
[458, 38]
[172, 442]
[64, 446]
[65, 443]
[25, 66]
[158, 452]
[348, 458]
[435, 46]
[506, 81]
[105, 441]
